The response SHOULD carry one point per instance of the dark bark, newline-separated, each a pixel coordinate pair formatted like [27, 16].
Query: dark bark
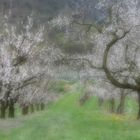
[109, 74]
[11, 109]
[138, 116]
[121, 106]
[112, 105]
[42, 106]
[25, 110]
[100, 101]
[84, 98]
[107, 71]
[3, 110]
[32, 108]
[37, 107]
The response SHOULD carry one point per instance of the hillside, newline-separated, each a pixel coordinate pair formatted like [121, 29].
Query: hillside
[50, 8]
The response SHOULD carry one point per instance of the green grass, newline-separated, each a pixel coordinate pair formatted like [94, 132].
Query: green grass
[66, 120]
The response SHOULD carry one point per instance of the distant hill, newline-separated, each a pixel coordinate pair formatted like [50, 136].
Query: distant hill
[50, 8]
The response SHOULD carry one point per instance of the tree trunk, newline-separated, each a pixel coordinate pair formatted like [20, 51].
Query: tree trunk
[100, 101]
[42, 106]
[138, 116]
[11, 109]
[112, 105]
[37, 107]
[25, 110]
[84, 98]
[2, 110]
[32, 108]
[120, 109]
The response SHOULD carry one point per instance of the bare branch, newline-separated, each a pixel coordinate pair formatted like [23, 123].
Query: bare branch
[106, 69]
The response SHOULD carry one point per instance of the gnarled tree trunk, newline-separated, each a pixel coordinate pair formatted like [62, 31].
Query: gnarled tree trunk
[11, 109]
[25, 109]
[42, 106]
[84, 98]
[120, 108]
[2, 109]
[37, 107]
[32, 108]
[100, 101]
[112, 105]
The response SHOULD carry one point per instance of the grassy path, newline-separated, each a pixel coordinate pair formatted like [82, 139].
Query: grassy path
[66, 120]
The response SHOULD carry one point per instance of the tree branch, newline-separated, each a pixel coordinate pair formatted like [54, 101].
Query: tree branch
[106, 69]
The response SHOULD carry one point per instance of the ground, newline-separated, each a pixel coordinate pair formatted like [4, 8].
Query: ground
[67, 120]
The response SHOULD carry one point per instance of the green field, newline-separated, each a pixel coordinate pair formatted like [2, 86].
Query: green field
[67, 120]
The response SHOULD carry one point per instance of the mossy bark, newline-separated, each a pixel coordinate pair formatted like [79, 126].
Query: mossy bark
[112, 105]
[37, 107]
[42, 106]
[2, 110]
[25, 110]
[121, 106]
[32, 110]
[11, 109]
